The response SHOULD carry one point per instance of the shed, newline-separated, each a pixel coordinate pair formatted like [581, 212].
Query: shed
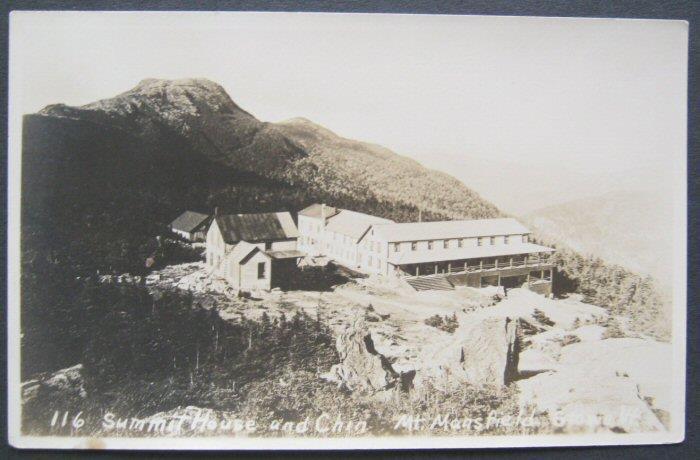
[191, 225]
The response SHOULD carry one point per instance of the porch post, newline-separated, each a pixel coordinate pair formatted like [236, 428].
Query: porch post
[449, 267]
[436, 269]
[481, 264]
[511, 262]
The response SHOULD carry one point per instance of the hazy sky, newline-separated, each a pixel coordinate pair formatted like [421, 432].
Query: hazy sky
[579, 106]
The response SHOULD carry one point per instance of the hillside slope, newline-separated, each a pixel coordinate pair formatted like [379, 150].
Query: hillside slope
[375, 170]
[626, 228]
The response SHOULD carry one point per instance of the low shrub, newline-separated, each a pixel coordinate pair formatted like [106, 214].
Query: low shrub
[541, 318]
[613, 330]
[444, 323]
[569, 339]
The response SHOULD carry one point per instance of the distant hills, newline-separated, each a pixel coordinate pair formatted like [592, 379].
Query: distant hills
[632, 229]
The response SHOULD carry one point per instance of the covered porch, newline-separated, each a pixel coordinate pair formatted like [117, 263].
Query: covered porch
[473, 265]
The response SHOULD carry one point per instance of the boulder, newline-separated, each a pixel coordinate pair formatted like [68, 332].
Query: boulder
[362, 367]
[66, 382]
[486, 353]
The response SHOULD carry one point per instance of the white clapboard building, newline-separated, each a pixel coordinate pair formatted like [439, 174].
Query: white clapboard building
[334, 232]
[475, 253]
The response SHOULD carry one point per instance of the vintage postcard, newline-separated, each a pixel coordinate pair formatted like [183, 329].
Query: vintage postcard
[345, 231]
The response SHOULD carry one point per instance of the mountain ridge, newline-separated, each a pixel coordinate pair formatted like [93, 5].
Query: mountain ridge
[296, 150]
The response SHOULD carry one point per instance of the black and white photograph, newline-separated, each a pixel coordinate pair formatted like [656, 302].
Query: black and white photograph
[238, 230]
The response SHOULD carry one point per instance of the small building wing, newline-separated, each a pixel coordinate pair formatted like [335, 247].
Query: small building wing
[189, 221]
[243, 251]
[271, 226]
[421, 231]
[353, 224]
[288, 254]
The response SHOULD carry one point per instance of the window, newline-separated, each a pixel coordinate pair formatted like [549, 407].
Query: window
[524, 238]
[445, 244]
[480, 241]
[430, 245]
[414, 246]
[505, 239]
[261, 270]
[396, 247]
[268, 245]
[493, 240]
[460, 243]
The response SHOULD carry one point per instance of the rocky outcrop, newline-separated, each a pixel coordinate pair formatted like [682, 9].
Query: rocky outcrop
[587, 399]
[66, 382]
[362, 367]
[617, 385]
[487, 352]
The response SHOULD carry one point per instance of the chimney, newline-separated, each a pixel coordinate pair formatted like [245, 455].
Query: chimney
[323, 211]
[216, 211]
[420, 216]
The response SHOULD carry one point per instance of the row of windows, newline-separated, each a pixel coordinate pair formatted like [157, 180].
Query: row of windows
[344, 238]
[310, 226]
[460, 242]
[374, 262]
[308, 241]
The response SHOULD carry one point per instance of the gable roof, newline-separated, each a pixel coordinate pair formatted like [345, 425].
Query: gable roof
[315, 211]
[353, 224]
[242, 250]
[188, 221]
[448, 229]
[270, 226]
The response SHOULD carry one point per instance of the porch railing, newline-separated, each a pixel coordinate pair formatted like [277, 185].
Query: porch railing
[483, 267]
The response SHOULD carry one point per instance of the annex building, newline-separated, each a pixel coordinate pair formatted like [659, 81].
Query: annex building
[191, 226]
[253, 251]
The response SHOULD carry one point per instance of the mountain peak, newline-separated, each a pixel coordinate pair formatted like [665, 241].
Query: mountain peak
[181, 104]
[191, 94]
[160, 83]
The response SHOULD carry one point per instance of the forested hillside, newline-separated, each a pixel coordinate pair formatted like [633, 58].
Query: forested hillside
[101, 181]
